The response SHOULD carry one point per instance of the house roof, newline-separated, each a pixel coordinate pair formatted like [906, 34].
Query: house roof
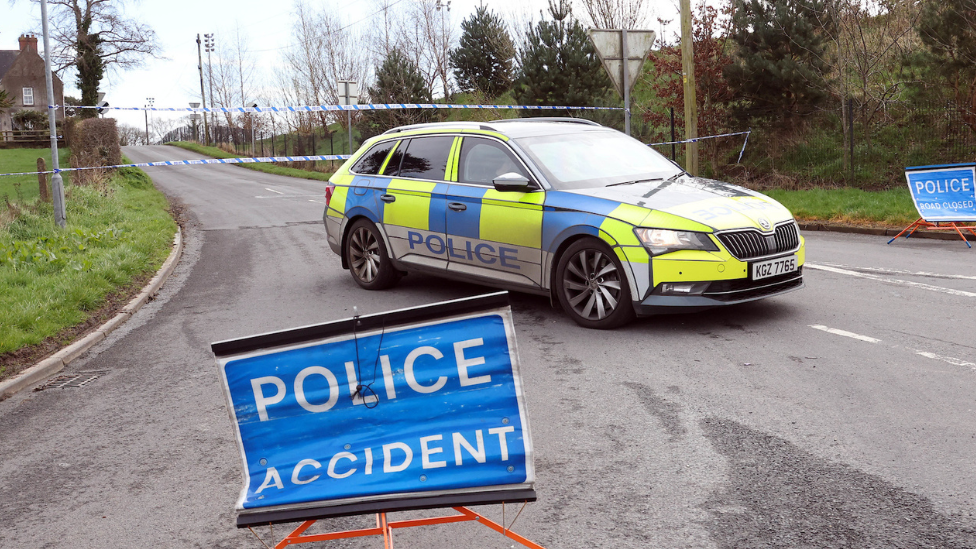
[7, 58]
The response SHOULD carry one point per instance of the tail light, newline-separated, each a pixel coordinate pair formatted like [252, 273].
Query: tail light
[329, 190]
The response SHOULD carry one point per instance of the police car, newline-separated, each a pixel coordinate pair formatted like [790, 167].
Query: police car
[568, 208]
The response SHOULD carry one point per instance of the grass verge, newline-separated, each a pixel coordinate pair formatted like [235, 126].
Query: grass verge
[23, 188]
[54, 280]
[891, 208]
[261, 167]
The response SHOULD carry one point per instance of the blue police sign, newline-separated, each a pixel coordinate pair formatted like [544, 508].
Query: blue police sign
[944, 193]
[379, 407]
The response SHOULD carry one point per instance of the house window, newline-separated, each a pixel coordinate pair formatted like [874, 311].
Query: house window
[28, 97]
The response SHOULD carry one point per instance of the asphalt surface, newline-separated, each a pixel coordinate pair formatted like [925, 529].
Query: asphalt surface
[840, 415]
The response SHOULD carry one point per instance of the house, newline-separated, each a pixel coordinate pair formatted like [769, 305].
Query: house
[22, 76]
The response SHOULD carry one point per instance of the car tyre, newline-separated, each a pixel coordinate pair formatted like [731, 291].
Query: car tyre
[368, 260]
[591, 286]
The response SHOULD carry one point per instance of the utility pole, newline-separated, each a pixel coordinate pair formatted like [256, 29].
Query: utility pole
[688, 77]
[208, 44]
[203, 96]
[57, 184]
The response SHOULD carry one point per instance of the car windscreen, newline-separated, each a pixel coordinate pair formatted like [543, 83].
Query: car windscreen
[584, 160]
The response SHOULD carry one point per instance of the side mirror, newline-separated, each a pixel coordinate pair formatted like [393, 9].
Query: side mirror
[512, 182]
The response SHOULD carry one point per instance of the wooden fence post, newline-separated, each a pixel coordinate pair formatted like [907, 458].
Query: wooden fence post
[42, 181]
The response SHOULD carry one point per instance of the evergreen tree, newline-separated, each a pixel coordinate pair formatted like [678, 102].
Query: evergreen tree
[558, 65]
[483, 60]
[948, 29]
[781, 55]
[398, 80]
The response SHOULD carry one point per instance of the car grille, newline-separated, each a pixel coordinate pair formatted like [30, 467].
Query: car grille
[737, 290]
[750, 243]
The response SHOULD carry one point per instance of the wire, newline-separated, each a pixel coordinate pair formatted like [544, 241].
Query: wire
[366, 390]
[381, 10]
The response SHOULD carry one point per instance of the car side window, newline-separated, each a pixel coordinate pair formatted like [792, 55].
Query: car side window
[426, 157]
[482, 160]
[393, 166]
[372, 161]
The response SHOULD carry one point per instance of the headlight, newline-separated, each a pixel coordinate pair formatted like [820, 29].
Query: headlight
[662, 241]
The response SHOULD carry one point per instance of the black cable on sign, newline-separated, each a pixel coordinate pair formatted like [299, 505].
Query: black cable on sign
[365, 390]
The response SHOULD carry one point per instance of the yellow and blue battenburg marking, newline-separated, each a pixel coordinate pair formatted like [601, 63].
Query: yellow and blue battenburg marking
[514, 236]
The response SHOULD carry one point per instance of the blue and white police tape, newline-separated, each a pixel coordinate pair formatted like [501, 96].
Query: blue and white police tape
[697, 139]
[245, 160]
[329, 108]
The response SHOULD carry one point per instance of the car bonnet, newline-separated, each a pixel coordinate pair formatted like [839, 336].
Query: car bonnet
[718, 205]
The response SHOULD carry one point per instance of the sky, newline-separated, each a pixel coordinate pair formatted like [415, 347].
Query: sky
[172, 79]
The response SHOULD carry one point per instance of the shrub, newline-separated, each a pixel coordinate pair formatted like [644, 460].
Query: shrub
[93, 142]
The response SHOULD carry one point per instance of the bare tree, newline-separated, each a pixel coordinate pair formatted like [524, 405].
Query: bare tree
[129, 134]
[870, 39]
[233, 70]
[430, 37]
[617, 14]
[324, 53]
[94, 36]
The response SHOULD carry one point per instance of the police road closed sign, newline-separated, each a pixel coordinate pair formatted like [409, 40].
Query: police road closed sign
[422, 408]
[944, 193]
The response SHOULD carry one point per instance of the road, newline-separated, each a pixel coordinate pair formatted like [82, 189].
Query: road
[840, 415]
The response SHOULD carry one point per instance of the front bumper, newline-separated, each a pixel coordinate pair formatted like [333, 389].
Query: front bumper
[719, 294]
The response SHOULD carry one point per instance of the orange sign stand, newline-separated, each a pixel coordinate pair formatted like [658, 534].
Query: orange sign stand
[937, 226]
[385, 528]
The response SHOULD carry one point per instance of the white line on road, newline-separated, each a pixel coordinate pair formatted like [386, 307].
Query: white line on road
[901, 272]
[852, 335]
[895, 281]
[274, 191]
[949, 359]
[317, 201]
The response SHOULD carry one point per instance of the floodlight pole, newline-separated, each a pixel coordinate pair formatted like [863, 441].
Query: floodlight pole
[57, 184]
[203, 96]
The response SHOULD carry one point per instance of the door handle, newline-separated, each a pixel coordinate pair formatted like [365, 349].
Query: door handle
[388, 198]
[457, 206]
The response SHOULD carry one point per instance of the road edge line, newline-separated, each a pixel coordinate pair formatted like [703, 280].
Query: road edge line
[57, 361]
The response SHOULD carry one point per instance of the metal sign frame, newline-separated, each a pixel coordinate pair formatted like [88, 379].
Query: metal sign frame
[623, 53]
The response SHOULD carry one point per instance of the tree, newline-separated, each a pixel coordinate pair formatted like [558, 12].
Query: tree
[398, 80]
[5, 101]
[781, 55]
[712, 91]
[948, 29]
[93, 36]
[325, 52]
[616, 14]
[483, 59]
[30, 120]
[129, 135]
[558, 65]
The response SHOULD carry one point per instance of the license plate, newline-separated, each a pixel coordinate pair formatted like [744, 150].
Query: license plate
[774, 267]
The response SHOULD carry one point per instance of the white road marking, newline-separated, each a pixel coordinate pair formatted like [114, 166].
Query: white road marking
[274, 191]
[949, 359]
[895, 281]
[901, 272]
[317, 201]
[851, 335]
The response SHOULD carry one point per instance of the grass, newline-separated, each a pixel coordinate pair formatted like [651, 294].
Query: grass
[24, 188]
[54, 279]
[261, 167]
[892, 207]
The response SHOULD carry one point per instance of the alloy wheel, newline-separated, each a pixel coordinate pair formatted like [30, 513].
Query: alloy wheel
[364, 254]
[592, 284]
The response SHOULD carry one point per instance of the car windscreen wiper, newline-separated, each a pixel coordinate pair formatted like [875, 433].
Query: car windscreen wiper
[635, 181]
